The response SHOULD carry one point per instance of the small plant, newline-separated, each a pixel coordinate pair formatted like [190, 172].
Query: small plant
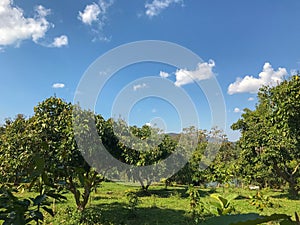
[194, 198]
[73, 216]
[14, 210]
[133, 201]
[222, 206]
[89, 216]
[260, 201]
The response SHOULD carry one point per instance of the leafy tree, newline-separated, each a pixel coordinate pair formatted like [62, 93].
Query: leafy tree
[15, 153]
[191, 172]
[52, 124]
[271, 134]
[211, 160]
[224, 168]
[138, 147]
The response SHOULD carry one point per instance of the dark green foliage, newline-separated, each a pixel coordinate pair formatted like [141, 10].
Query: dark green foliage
[261, 201]
[88, 216]
[133, 202]
[270, 139]
[15, 150]
[14, 210]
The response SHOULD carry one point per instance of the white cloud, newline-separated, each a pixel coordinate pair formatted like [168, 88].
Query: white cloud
[58, 85]
[139, 86]
[203, 72]
[15, 27]
[90, 14]
[156, 6]
[250, 99]
[250, 84]
[95, 15]
[42, 11]
[60, 41]
[164, 74]
[237, 110]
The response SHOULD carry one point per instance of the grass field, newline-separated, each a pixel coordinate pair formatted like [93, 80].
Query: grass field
[110, 205]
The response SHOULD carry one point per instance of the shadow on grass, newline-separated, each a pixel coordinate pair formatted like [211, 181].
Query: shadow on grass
[285, 195]
[166, 193]
[119, 213]
[162, 193]
[97, 198]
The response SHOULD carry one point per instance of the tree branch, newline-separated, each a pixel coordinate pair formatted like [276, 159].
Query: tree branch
[296, 168]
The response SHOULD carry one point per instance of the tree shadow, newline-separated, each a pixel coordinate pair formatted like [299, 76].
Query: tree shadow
[97, 198]
[166, 193]
[285, 195]
[119, 213]
[162, 193]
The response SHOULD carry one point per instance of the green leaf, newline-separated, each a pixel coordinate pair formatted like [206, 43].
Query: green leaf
[55, 195]
[39, 199]
[38, 215]
[50, 211]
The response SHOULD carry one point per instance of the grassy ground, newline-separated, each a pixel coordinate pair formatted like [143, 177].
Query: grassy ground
[159, 206]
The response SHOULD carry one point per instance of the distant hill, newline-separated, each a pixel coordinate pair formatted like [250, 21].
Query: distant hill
[173, 134]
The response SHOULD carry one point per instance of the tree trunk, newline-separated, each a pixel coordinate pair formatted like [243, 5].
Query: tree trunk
[290, 178]
[293, 191]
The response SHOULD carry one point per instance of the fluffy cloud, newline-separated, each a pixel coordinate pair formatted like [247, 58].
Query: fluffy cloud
[58, 85]
[15, 27]
[250, 84]
[237, 110]
[60, 41]
[250, 99]
[95, 16]
[156, 6]
[95, 13]
[202, 72]
[163, 74]
[90, 14]
[139, 86]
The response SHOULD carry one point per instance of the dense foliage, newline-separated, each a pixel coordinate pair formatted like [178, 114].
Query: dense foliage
[270, 139]
[43, 153]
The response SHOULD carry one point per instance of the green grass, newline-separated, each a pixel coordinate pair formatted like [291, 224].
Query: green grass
[160, 205]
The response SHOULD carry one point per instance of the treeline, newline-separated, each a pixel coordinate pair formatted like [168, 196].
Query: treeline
[45, 147]
[51, 136]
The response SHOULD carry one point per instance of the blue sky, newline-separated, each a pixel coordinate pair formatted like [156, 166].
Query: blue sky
[46, 46]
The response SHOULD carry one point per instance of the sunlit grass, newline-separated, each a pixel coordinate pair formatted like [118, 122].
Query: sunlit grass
[160, 205]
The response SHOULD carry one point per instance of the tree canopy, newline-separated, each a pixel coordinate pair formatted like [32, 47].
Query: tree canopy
[270, 133]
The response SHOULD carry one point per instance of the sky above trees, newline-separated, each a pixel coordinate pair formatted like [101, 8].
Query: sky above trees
[46, 46]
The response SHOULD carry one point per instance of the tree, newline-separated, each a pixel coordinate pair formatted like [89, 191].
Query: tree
[271, 134]
[52, 124]
[15, 152]
[223, 169]
[142, 149]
